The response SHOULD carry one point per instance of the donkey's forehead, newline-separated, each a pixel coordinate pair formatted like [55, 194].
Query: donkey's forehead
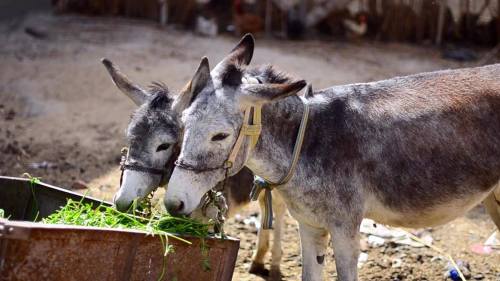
[213, 105]
[146, 121]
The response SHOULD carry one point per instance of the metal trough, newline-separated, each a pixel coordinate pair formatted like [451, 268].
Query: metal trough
[34, 251]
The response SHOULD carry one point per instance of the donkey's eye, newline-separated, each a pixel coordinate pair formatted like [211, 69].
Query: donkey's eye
[220, 136]
[163, 146]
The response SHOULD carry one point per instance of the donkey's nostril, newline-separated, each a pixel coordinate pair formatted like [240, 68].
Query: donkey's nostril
[122, 206]
[181, 206]
[174, 207]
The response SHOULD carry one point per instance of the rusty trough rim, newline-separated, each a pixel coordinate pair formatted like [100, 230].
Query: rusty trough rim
[21, 230]
[56, 188]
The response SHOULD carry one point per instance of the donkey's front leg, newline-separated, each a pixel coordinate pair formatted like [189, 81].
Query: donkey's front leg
[257, 266]
[313, 242]
[279, 208]
[345, 242]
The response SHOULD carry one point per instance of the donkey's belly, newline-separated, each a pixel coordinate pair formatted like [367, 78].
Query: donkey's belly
[417, 218]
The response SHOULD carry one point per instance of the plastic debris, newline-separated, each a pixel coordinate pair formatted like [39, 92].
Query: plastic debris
[481, 249]
[43, 165]
[453, 274]
[371, 227]
[252, 221]
[380, 233]
[362, 259]
[375, 241]
[493, 241]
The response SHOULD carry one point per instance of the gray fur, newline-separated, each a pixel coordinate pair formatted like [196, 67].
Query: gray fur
[411, 151]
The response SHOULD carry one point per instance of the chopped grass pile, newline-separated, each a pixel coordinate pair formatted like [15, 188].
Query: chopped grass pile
[78, 213]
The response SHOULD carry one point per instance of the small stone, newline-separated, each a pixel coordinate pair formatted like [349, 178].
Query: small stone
[79, 184]
[396, 263]
[478, 276]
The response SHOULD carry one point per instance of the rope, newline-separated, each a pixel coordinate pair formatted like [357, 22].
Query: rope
[261, 183]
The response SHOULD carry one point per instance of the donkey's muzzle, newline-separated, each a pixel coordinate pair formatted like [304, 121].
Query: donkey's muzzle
[120, 204]
[174, 207]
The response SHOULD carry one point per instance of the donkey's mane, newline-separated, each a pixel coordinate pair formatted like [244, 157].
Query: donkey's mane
[269, 74]
[160, 95]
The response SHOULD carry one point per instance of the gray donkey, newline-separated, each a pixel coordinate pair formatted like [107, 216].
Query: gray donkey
[153, 134]
[412, 151]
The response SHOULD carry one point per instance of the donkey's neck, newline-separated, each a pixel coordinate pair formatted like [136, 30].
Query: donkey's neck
[272, 156]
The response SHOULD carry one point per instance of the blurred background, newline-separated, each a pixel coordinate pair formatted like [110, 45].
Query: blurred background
[62, 119]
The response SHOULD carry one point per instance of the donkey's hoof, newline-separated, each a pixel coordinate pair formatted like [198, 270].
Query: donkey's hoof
[275, 274]
[258, 269]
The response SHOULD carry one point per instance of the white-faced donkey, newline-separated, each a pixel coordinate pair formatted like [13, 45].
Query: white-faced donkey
[413, 151]
[153, 136]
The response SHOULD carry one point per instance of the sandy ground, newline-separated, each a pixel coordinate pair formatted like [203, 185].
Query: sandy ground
[62, 119]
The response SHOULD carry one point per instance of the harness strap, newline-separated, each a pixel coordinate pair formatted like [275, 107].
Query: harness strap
[261, 183]
[296, 149]
[138, 168]
[251, 130]
[257, 127]
[125, 165]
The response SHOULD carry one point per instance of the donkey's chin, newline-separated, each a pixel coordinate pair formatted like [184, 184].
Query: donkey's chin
[185, 190]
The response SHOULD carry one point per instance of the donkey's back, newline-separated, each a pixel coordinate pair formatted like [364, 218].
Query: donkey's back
[426, 147]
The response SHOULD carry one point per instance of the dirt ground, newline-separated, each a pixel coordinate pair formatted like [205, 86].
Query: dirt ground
[62, 119]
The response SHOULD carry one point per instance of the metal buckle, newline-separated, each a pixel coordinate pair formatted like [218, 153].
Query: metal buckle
[228, 164]
[252, 130]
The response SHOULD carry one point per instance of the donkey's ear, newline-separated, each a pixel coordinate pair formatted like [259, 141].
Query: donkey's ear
[265, 93]
[133, 91]
[201, 78]
[240, 56]
[243, 52]
[194, 87]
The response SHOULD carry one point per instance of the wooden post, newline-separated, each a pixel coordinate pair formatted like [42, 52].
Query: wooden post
[498, 22]
[303, 14]
[442, 13]
[269, 20]
[163, 12]
[420, 22]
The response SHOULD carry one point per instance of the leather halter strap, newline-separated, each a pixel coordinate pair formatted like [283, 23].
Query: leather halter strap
[251, 130]
[125, 165]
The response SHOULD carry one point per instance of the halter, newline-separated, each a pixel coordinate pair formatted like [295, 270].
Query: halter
[125, 165]
[252, 129]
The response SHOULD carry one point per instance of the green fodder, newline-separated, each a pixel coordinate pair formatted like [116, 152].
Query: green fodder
[84, 214]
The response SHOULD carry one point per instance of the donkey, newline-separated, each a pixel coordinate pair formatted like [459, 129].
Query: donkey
[413, 151]
[153, 134]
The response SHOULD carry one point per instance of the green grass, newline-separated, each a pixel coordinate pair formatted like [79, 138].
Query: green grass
[2, 214]
[78, 213]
